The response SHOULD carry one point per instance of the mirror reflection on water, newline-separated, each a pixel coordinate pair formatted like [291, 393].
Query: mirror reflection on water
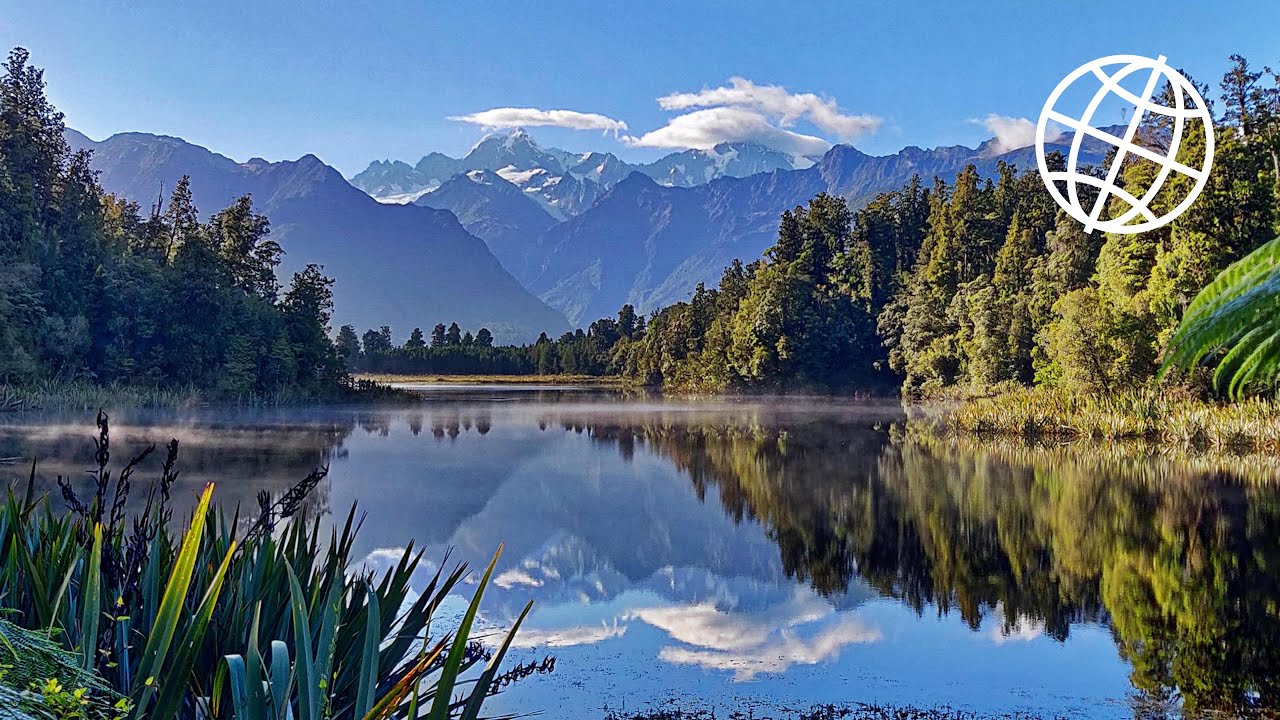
[772, 555]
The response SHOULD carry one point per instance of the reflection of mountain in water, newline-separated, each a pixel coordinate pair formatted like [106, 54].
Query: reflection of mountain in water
[1184, 567]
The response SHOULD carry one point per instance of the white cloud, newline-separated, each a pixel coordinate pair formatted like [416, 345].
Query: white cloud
[1012, 133]
[743, 111]
[512, 117]
[774, 101]
[707, 128]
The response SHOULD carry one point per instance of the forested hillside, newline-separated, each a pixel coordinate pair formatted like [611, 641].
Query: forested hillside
[95, 287]
[390, 263]
[974, 282]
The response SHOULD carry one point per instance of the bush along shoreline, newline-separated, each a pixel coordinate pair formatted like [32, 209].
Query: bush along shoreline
[119, 615]
[1150, 415]
[85, 396]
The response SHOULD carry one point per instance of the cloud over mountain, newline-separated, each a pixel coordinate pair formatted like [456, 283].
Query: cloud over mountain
[776, 102]
[1012, 133]
[706, 128]
[513, 117]
[740, 112]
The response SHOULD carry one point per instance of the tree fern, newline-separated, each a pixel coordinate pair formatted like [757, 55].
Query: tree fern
[1235, 320]
[29, 660]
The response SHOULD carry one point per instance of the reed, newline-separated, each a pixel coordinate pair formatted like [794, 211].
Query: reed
[178, 621]
[85, 396]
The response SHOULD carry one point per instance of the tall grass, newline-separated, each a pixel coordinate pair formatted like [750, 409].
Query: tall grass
[179, 621]
[84, 396]
[1149, 415]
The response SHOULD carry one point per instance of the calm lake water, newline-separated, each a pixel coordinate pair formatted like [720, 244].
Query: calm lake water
[772, 555]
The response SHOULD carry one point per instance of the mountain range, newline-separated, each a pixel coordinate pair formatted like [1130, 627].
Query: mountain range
[565, 183]
[400, 265]
[648, 234]
[522, 239]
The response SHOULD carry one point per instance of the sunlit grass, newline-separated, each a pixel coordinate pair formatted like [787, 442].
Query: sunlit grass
[387, 379]
[1149, 415]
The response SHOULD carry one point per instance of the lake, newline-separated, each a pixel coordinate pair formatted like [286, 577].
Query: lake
[765, 556]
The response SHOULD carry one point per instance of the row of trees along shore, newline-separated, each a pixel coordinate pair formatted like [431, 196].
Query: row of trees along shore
[942, 286]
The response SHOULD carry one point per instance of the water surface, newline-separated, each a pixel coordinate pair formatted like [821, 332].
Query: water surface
[773, 555]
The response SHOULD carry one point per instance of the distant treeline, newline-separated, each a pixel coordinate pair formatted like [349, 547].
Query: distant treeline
[450, 350]
[92, 288]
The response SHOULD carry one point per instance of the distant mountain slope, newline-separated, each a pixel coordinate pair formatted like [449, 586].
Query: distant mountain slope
[402, 265]
[696, 167]
[615, 253]
[650, 248]
[495, 211]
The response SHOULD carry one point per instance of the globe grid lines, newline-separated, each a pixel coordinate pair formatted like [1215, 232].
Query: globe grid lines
[1082, 127]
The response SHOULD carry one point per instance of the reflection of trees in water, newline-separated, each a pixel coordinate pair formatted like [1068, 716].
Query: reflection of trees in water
[446, 421]
[1183, 564]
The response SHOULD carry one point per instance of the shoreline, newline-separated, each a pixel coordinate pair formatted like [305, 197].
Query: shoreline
[443, 379]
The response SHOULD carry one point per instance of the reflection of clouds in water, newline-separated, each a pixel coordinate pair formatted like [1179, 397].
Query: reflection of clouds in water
[707, 626]
[1017, 629]
[803, 631]
[383, 559]
[516, 576]
[780, 654]
[568, 637]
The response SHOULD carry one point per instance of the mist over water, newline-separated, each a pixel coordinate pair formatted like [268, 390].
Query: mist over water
[772, 554]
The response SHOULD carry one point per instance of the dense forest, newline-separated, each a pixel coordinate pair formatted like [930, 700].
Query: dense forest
[93, 288]
[952, 285]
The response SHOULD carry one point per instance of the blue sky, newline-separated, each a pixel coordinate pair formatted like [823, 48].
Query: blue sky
[356, 81]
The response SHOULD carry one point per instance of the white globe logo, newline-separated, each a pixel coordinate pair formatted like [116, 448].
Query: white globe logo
[1187, 105]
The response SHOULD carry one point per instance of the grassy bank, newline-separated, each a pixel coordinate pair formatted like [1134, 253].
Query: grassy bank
[387, 379]
[86, 396]
[1149, 415]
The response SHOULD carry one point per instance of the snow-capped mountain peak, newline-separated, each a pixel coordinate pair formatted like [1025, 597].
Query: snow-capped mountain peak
[565, 183]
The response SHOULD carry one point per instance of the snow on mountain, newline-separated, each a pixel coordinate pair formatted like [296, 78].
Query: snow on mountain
[562, 182]
[691, 168]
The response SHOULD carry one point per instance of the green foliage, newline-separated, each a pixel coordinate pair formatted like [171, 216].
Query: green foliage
[90, 289]
[454, 352]
[40, 680]
[1236, 320]
[1054, 413]
[146, 617]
